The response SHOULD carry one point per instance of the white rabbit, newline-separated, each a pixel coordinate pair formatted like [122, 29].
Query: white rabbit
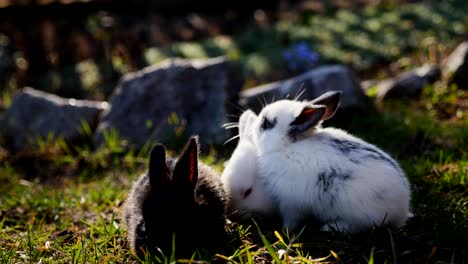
[248, 198]
[326, 173]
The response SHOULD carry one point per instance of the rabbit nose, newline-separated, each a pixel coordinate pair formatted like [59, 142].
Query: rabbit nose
[246, 193]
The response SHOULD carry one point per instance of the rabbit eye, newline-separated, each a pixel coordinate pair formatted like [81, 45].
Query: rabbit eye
[247, 193]
[267, 124]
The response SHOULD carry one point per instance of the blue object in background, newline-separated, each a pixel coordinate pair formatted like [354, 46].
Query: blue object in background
[300, 57]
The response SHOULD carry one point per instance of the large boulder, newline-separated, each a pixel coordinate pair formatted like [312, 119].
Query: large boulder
[308, 86]
[457, 66]
[34, 114]
[409, 84]
[177, 97]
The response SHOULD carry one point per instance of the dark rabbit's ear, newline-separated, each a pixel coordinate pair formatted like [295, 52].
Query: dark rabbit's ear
[309, 117]
[186, 168]
[331, 100]
[157, 166]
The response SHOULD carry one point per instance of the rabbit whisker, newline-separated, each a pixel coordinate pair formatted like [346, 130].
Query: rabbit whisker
[238, 107]
[301, 91]
[229, 124]
[231, 139]
[264, 100]
[244, 106]
[260, 101]
[232, 126]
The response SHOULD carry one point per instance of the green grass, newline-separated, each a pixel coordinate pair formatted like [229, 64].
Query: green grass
[62, 204]
[366, 39]
[70, 222]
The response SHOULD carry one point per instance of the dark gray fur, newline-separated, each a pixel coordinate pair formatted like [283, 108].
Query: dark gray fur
[357, 152]
[196, 215]
[379, 195]
[330, 183]
[326, 179]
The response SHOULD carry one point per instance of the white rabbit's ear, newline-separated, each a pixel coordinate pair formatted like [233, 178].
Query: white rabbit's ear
[245, 122]
[331, 100]
[157, 167]
[309, 117]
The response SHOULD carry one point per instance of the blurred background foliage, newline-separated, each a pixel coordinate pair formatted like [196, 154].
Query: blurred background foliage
[81, 49]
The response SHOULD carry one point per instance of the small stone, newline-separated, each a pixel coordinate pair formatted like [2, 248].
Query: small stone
[407, 86]
[457, 66]
[431, 72]
[410, 84]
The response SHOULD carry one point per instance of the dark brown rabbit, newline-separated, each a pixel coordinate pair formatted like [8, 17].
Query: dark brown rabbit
[179, 199]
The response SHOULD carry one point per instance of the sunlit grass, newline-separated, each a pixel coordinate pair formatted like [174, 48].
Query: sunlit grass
[65, 206]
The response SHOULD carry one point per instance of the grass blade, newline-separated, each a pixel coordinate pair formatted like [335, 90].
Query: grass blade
[336, 256]
[280, 238]
[392, 243]
[268, 246]
[371, 257]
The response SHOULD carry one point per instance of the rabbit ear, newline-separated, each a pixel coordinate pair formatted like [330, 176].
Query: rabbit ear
[186, 168]
[331, 100]
[309, 117]
[245, 120]
[157, 166]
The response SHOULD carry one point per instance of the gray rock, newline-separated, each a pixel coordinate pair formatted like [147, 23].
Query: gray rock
[410, 84]
[311, 85]
[35, 113]
[163, 100]
[457, 66]
[431, 72]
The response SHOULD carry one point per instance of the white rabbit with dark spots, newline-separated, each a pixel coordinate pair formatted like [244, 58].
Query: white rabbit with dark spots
[326, 173]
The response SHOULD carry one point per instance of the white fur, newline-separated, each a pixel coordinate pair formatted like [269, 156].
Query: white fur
[240, 175]
[376, 191]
